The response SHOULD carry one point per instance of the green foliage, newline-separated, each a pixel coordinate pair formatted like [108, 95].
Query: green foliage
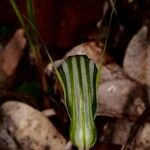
[20, 18]
[28, 24]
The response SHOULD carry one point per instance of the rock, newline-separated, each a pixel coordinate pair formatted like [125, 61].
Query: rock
[137, 58]
[92, 49]
[118, 96]
[121, 98]
[142, 140]
[24, 128]
[10, 56]
[116, 131]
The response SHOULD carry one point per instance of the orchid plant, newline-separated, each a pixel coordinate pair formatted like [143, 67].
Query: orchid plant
[79, 78]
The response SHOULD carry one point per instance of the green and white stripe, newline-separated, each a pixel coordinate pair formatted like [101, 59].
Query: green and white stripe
[79, 76]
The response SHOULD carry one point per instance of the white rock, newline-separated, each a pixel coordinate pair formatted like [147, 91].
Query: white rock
[118, 96]
[137, 58]
[24, 128]
[142, 140]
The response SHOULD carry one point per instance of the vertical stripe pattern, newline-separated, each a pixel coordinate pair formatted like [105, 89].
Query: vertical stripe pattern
[79, 75]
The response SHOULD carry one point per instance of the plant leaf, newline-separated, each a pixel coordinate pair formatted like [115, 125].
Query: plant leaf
[79, 75]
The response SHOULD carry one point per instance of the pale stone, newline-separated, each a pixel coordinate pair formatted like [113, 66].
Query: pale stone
[24, 128]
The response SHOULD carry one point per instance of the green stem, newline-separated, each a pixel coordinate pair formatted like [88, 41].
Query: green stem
[105, 45]
[33, 44]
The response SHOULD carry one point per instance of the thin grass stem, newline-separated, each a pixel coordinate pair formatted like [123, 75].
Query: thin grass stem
[33, 42]
[105, 46]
